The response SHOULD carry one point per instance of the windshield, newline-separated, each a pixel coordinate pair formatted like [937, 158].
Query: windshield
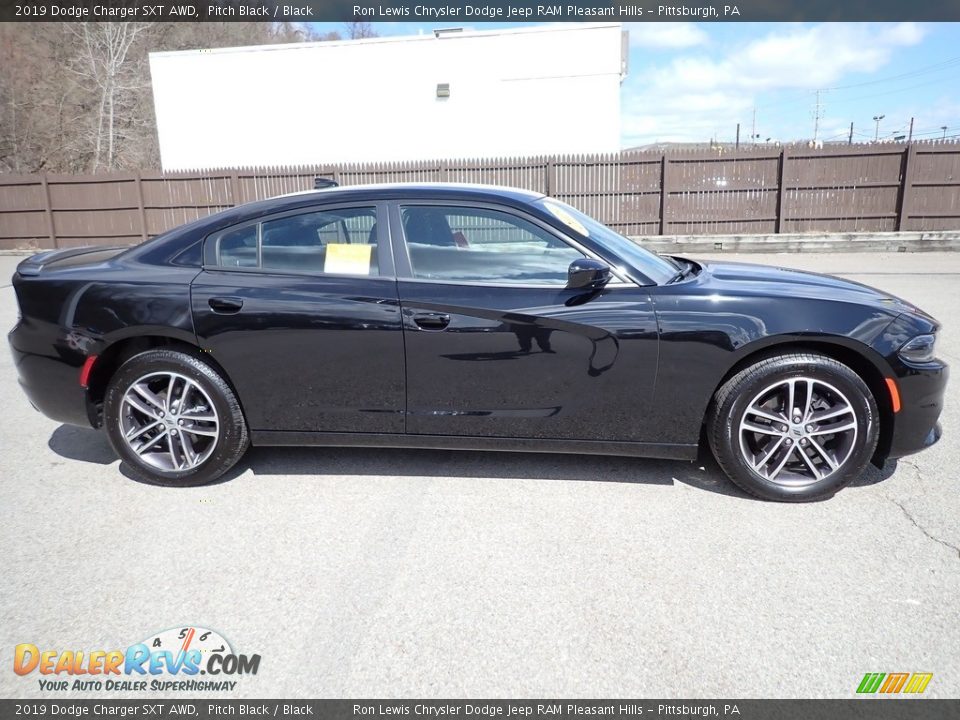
[657, 268]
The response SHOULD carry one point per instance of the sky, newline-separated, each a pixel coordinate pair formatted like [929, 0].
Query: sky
[696, 81]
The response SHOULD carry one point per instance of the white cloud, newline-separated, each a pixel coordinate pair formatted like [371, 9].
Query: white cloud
[695, 94]
[665, 34]
[907, 33]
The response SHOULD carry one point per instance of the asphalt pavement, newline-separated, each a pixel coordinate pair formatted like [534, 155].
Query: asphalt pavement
[400, 573]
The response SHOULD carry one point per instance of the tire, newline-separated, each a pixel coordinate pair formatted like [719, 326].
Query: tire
[769, 454]
[192, 448]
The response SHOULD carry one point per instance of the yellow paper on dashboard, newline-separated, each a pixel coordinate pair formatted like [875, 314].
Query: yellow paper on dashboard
[346, 259]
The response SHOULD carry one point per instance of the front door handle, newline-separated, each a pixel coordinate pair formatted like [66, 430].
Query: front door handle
[225, 305]
[432, 321]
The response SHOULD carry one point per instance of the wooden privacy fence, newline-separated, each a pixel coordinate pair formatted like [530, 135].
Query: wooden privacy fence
[847, 188]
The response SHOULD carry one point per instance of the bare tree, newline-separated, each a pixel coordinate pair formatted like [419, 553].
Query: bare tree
[104, 59]
[80, 98]
[360, 30]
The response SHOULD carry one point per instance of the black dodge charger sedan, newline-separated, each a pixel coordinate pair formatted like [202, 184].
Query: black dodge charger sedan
[468, 317]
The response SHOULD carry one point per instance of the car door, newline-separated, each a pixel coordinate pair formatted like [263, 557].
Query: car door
[497, 346]
[301, 311]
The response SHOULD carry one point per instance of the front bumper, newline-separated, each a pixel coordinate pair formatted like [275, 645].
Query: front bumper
[922, 388]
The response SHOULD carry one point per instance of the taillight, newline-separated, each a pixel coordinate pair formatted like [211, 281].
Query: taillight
[86, 370]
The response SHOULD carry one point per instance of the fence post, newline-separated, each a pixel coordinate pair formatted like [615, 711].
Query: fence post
[48, 211]
[781, 190]
[548, 181]
[664, 192]
[907, 172]
[235, 188]
[143, 213]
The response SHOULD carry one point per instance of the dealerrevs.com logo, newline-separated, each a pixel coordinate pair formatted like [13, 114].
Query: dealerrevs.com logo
[190, 659]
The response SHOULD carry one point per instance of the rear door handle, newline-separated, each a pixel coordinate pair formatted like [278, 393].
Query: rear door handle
[225, 305]
[432, 321]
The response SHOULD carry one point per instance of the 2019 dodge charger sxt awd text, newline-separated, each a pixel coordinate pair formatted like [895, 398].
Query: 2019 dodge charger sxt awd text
[469, 317]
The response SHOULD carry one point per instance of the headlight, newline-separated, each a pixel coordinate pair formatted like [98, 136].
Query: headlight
[920, 349]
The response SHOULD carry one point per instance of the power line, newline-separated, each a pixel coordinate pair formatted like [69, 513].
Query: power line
[936, 67]
[893, 92]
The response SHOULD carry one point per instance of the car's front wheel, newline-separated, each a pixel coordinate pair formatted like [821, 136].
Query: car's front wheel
[174, 419]
[793, 427]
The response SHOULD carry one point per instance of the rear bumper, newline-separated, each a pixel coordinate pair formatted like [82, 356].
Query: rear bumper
[916, 427]
[50, 382]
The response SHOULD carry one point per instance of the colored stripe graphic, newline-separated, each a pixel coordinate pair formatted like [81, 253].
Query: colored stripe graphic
[918, 683]
[870, 682]
[894, 683]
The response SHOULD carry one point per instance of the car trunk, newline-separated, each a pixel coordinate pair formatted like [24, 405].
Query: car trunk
[67, 257]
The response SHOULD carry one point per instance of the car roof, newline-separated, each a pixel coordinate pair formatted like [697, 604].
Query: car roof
[413, 190]
[156, 250]
[361, 193]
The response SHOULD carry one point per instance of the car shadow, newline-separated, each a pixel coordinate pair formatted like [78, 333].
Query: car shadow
[873, 475]
[493, 465]
[84, 444]
[91, 446]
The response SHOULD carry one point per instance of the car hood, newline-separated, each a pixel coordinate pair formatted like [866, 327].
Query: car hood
[779, 281]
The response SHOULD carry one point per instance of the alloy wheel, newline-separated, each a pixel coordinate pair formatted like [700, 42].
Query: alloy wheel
[169, 421]
[798, 431]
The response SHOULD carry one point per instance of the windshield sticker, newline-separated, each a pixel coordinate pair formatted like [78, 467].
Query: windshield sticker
[566, 218]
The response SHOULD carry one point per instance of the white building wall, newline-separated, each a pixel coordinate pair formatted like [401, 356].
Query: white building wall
[529, 91]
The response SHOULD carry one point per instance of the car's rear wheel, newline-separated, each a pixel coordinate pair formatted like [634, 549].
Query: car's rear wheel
[793, 427]
[174, 419]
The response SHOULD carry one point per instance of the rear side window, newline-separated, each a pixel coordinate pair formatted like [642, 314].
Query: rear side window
[238, 248]
[191, 257]
[339, 242]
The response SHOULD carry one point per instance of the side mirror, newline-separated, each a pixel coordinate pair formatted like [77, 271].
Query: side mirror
[587, 274]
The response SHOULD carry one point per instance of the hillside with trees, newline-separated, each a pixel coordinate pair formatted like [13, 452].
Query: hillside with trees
[76, 97]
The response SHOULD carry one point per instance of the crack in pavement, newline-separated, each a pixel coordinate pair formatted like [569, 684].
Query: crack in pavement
[912, 464]
[921, 528]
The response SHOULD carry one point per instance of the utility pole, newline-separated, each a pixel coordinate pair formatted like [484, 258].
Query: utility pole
[910, 136]
[850, 137]
[876, 133]
[753, 126]
[944, 128]
[817, 114]
[738, 136]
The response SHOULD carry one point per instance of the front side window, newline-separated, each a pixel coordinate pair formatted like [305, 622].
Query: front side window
[655, 267]
[465, 244]
[338, 242]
